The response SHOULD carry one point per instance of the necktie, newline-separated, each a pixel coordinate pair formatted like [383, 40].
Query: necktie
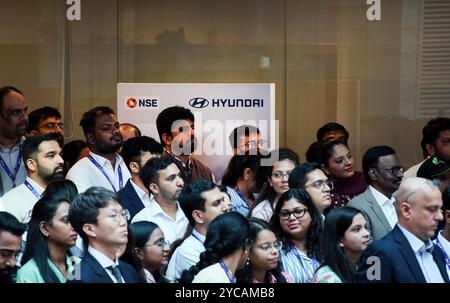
[116, 273]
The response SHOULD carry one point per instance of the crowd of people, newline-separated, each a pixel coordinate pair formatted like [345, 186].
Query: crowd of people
[121, 207]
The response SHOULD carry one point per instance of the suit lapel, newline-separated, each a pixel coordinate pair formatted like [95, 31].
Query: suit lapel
[440, 261]
[376, 208]
[97, 268]
[134, 199]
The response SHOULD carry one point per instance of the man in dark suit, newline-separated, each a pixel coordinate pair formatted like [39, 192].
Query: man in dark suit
[101, 222]
[383, 172]
[406, 254]
[136, 152]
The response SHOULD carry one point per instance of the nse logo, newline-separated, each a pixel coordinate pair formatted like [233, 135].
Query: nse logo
[142, 102]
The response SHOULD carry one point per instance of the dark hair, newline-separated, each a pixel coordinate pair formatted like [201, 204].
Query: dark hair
[36, 116]
[330, 127]
[9, 223]
[191, 199]
[337, 222]
[243, 130]
[168, 116]
[371, 156]
[315, 228]
[326, 150]
[87, 121]
[245, 275]
[85, 208]
[238, 164]
[31, 145]
[299, 175]
[132, 148]
[149, 173]
[61, 189]
[226, 234]
[71, 151]
[37, 246]
[5, 90]
[312, 151]
[433, 128]
[267, 192]
[137, 131]
[138, 235]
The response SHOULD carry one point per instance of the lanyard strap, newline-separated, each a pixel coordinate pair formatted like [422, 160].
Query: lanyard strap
[227, 271]
[199, 240]
[106, 176]
[447, 260]
[300, 259]
[16, 170]
[187, 167]
[32, 189]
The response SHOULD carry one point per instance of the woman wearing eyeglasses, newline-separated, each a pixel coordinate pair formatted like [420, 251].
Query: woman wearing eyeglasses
[337, 163]
[263, 264]
[147, 251]
[277, 183]
[344, 239]
[50, 235]
[298, 224]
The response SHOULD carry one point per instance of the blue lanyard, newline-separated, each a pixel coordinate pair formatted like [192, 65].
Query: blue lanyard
[447, 260]
[106, 176]
[241, 195]
[308, 275]
[199, 240]
[227, 271]
[8, 171]
[32, 189]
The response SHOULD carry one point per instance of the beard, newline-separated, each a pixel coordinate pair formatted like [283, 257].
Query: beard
[108, 147]
[8, 275]
[49, 176]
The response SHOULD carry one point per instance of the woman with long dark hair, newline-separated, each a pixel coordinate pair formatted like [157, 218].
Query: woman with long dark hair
[225, 251]
[147, 251]
[263, 265]
[46, 258]
[298, 224]
[345, 237]
[277, 177]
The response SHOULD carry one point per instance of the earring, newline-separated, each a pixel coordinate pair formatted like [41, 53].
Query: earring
[247, 263]
[341, 245]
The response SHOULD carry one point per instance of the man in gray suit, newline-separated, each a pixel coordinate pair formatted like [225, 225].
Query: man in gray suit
[383, 172]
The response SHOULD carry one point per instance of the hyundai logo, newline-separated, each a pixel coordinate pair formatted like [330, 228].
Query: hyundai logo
[199, 102]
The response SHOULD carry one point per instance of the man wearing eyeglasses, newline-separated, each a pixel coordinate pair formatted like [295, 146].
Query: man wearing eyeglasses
[246, 139]
[384, 173]
[46, 120]
[101, 222]
[11, 232]
[13, 127]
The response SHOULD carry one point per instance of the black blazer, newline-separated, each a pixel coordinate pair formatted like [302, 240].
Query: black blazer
[130, 200]
[92, 272]
[398, 262]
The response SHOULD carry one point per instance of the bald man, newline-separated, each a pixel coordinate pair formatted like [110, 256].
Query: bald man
[406, 254]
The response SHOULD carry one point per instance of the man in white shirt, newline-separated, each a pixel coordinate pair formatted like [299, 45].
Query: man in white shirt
[42, 158]
[162, 178]
[13, 126]
[407, 254]
[103, 167]
[101, 222]
[202, 202]
[136, 152]
[383, 172]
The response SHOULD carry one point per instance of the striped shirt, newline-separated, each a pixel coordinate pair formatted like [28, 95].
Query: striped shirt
[298, 265]
[238, 204]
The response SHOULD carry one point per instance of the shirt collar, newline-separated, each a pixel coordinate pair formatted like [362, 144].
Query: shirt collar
[381, 198]
[104, 261]
[141, 194]
[36, 186]
[198, 235]
[103, 161]
[149, 277]
[155, 209]
[14, 147]
[417, 245]
[444, 242]
[178, 159]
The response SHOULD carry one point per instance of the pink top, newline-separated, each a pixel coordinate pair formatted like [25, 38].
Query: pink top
[272, 278]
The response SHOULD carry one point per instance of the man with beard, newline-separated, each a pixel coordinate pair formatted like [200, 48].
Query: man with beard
[46, 120]
[384, 173]
[42, 158]
[11, 232]
[162, 178]
[176, 132]
[103, 167]
[13, 126]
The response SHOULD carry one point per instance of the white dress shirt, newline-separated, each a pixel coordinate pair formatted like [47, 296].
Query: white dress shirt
[145, 197]
[387, 206]
[104, 261]
[20, 200]
[172, 229]
[422, 250]
[2, 208]
[85, 174]
[263, 211]
[186, 255]
[446, 249]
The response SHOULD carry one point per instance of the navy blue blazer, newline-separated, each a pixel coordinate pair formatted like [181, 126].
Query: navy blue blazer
[93, 272]
[398, 262]
[130, 200]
